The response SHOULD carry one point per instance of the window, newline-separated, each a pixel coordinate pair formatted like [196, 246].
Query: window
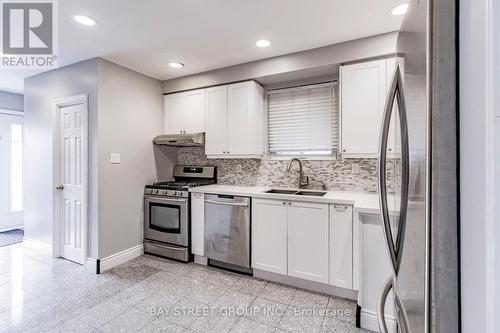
[16, 167]
[303, 121]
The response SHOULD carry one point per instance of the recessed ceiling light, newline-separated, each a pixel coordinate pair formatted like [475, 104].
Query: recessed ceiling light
[84, 19]
[262, 43]
[400, 9]
[176, 65]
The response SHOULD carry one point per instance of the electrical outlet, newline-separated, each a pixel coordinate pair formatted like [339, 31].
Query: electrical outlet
[354, 169]
[238, 167]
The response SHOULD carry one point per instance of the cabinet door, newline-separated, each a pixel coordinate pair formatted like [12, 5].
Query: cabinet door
[269, 235]
[216, 113]
[173, 117]
[197, 223]
[308, 241]
[341, 232]
[363, 93]
[194, 113]
[240, 120]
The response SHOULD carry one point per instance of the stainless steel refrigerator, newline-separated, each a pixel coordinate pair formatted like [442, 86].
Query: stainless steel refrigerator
[418, 176]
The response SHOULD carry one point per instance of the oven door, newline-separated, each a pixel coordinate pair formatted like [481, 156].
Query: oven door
[166, 220]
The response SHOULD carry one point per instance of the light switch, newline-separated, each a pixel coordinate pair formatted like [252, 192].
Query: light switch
[115, 158]
[238, 167]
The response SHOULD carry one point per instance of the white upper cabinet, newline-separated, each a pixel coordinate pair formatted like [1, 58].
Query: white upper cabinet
[245, 104]
[184, 112]
[364, 89]
[216, 113]
[235, 121]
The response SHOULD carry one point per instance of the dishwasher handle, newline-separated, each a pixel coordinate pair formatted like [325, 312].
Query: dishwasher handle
[227, 203]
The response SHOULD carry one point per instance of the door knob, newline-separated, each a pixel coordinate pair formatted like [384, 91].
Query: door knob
[60, 187]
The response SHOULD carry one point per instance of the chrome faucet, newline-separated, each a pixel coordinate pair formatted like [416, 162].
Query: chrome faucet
[303, 181]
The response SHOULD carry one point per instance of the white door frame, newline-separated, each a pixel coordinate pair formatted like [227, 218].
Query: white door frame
[56, 136]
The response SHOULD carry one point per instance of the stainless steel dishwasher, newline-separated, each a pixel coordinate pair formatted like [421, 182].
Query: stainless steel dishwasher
[227, 231]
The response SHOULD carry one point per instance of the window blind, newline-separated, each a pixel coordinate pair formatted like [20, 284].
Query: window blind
[304, 120]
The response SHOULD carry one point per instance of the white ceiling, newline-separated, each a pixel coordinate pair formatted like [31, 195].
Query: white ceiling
[206, 34]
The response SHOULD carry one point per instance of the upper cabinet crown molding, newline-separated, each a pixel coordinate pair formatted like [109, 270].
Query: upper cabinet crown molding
[363, 91]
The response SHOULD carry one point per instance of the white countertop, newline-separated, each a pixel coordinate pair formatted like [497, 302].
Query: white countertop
[363, 203]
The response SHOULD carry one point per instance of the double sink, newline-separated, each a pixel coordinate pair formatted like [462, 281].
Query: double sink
[297, 192]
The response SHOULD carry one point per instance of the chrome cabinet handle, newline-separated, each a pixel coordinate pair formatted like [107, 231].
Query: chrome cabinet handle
[60, 187]
[395, 93]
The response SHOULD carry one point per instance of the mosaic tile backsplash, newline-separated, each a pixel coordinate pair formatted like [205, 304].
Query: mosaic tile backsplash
[336, 174]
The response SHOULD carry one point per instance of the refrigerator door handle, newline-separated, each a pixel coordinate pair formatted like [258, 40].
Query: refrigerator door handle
[381, 306]
[395, 93]
[382, 167]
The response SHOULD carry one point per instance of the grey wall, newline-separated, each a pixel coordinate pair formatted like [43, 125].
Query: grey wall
[130, 115]
[125, 113]
[304, 64]
[40, 91]
[11, 101]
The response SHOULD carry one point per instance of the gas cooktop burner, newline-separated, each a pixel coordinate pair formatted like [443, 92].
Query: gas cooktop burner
[185, 177]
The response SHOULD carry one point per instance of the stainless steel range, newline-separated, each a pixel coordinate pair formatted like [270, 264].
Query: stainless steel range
[166, 211]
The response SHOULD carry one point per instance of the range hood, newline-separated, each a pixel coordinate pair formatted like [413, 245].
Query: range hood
[181, 140]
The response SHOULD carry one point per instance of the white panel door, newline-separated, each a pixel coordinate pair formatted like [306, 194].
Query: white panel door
[73, 159]
[308, 241]
[363, 93]
[11, 171]
[173, 118]
[240, 121]
[194, 114]
[198, 223]
[341, 242]
[216, 113]
[269, 235]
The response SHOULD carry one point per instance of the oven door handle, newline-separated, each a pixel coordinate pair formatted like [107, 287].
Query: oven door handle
[150, 199]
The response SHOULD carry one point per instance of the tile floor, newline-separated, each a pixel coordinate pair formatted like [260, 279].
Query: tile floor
[149, 294]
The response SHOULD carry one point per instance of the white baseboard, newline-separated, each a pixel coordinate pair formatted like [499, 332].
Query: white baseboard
[91, 265]
[121, 257]
[369, 321]
[37, 246]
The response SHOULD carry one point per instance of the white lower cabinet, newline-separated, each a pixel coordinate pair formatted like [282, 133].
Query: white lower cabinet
[341, 246]
[290, 238]
[198, 223]
[269, 235]
[308, 241]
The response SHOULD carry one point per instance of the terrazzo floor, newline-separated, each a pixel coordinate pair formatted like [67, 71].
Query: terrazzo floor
[149, 294]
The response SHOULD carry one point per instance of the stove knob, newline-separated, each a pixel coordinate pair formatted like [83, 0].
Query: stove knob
[147, 191]
[154, 191]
